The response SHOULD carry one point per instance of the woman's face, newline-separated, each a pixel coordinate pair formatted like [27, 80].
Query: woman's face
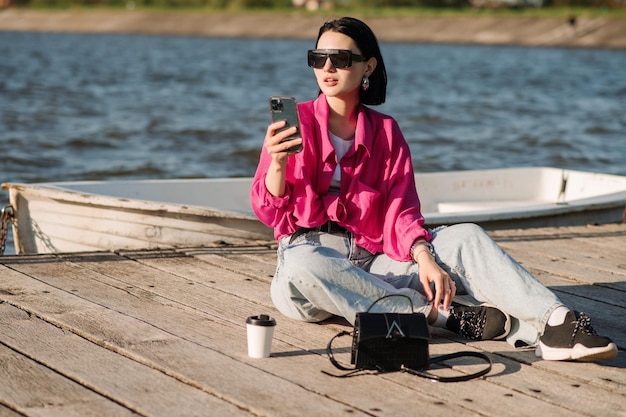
[342, 83]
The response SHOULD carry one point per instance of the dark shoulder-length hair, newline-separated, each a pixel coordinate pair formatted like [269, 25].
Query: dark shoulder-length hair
[368, 44]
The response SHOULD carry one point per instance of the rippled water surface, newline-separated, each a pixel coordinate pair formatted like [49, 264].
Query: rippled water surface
[79, 107]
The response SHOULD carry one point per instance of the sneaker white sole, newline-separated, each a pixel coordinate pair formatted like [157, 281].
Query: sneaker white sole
[577, 353]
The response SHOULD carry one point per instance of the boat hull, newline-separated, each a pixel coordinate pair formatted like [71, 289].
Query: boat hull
[54, 221]
[112, 215]
[522, 197]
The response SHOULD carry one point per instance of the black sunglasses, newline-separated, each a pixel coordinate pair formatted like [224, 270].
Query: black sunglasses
[340, 58]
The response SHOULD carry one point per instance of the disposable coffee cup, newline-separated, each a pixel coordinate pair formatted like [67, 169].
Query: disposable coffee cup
[260, 333]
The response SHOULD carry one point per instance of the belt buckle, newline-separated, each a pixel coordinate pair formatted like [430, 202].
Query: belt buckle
[328, 226]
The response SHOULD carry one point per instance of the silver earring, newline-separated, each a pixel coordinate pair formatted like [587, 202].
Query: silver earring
[365, 84]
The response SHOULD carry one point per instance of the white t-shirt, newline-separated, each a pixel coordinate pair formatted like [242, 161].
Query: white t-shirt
[341, 148]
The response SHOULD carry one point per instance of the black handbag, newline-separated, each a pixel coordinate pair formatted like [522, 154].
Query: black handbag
[388, 342]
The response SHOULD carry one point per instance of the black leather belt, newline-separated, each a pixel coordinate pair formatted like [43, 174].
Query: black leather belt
[328, 227]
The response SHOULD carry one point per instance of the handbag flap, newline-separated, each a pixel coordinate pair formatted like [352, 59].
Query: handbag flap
[389, 341]
[391, 326]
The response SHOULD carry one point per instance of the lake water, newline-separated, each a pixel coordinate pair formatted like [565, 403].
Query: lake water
[85, 107]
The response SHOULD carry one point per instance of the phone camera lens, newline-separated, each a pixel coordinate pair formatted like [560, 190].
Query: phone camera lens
[277, 105]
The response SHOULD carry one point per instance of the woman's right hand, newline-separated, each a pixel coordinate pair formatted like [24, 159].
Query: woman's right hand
[275, 178]
[279, 151]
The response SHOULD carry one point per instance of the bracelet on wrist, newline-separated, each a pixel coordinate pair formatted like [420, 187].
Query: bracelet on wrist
[427, 247]
[417, 254]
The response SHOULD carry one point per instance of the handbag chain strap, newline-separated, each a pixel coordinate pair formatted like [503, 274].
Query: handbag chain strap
[329, 352]
[441, 358]
[417, 372]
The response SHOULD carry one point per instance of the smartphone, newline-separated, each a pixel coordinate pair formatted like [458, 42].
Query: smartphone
[286, 108]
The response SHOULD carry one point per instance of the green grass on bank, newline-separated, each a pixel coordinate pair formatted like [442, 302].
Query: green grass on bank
[505, 12]
[539, 12]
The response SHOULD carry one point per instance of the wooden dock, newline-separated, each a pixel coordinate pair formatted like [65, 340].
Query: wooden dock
[162, 333]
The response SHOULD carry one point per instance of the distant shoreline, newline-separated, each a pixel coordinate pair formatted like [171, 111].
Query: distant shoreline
[597, 32]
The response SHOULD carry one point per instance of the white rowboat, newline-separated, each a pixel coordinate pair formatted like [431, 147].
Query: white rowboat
[141, 214]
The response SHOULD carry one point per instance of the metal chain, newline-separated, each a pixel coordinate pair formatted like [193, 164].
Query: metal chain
[5, 217]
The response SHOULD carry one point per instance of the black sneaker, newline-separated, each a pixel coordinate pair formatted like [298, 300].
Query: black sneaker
[575, 339]
[479, 322]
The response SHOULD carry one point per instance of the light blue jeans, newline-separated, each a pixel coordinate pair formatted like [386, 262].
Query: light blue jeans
[320, 275]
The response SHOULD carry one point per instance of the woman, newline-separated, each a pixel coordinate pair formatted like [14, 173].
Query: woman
[347, 217]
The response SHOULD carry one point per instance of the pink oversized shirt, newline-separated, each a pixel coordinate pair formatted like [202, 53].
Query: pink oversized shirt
[377, 201]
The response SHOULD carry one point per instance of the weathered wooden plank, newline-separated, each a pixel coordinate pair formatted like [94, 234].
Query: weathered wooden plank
[580, 267]
[576, 272]
[596, 292]
[183, 316]
[584, 247]
[260, 264]
[317, 379]
[580, 301]
[605, 231]
[483, 401]
[559, 274]
[130, 384]
[519, 373]
[177, 266]
[231, 374]
[300, 372]
[581, 293]
[552, 276]
[7, 410]
[607, 322]
[610, 239]
[35, 390]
